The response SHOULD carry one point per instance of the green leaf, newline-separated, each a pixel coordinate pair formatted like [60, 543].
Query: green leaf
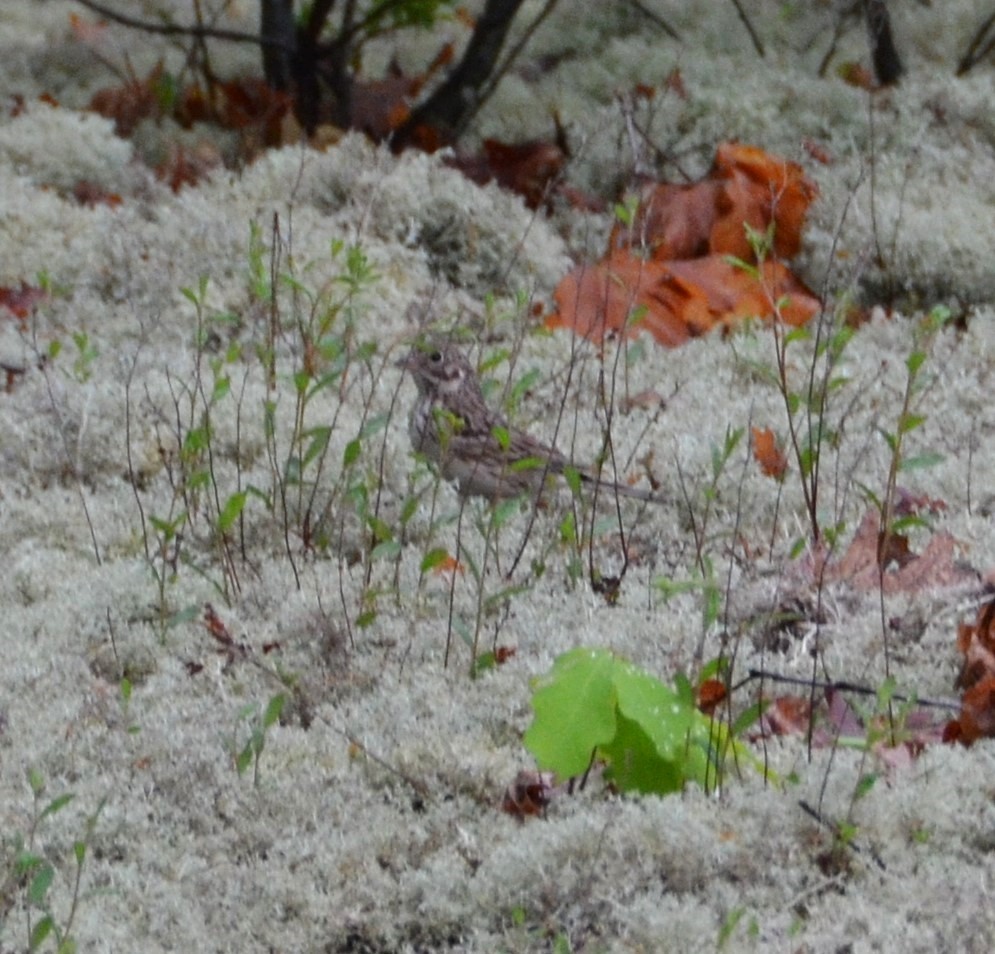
[195, 441]
[505, 594]
[374, 425]
[635, 763]
[231, 511]
[482, 663]
[796, 334]
[656, 708]
[729, 925]
[568, 529]
[269, 418]
[527, 463]
[301, 381]
[244, 758]
[504, 511]
[522, 386]
[919, 461]
[572, 476]
[380, 528]
[57, 804]
[366, 618]
[742, 265]
[864, 785]
[890, 439]
[652, 735]
[716, 668]
[25, 862]
[909, 422]
[36, 780]
[222, 388]
[914, 362]
[669, 588]
[40, 931]
[319, 441]
[626, 212]
[911, 522]
[435, 557]
[352, 452]
[273, 710]
[386, 550]
[748, 717]
[185, 615]
[40, 884]
[408, 509]
[574, 712]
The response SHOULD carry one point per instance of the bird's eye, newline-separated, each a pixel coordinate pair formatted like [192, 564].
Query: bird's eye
[435, 357]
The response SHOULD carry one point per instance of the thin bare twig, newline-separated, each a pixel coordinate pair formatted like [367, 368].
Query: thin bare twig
[754, 36]
[174, 29]
[978, 48]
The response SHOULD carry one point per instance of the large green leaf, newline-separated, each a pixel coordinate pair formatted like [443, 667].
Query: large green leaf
[574, 712]
[651, 736]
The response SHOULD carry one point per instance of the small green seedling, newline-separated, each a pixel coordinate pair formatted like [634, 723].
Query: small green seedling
[252, 751]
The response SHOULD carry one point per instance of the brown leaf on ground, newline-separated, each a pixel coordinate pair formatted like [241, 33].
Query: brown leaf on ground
[379, 107]
[528, 169]
[767, 454]
[977, 714]
[131, 102]
[20, 302]
[673, 221]
[934, 568]
[183, 167]
[746, 186]
[674, 301]
[91, 194]
[761, 188]
[528, 794]
[711, 693]
[976, 643]
[786, 715]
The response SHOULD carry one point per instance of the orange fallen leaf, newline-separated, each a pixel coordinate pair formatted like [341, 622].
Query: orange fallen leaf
[762, 188]
[674, 301]
[746, 187]
[711, 693]
[976, 642]
[977, 714]
[768, 455]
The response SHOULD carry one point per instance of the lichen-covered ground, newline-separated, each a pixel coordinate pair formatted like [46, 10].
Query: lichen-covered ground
[371, 821]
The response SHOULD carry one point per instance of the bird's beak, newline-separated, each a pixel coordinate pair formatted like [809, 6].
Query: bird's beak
[407, 363]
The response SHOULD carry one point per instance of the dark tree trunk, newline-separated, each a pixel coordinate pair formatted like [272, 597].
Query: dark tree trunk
[448, 109]
[276, 22]
[887, 63]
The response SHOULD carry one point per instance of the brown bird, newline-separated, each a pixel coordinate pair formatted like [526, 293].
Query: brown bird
[454, 428]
